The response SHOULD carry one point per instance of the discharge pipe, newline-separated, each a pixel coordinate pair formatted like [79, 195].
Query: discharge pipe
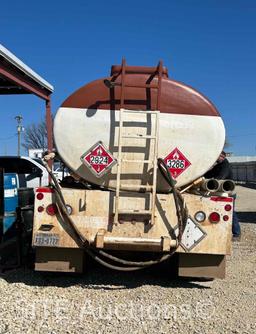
[211, 185]
[226, 186]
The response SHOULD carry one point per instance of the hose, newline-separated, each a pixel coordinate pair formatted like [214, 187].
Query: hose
[140, 264]
[181, 209]
[83, 242]
[111, 266]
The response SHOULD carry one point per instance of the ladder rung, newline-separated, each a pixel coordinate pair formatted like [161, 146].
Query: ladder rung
[138, 161]
[140, 111]
[135, 212]
[122, 187]
[139, 136]
[132, 186]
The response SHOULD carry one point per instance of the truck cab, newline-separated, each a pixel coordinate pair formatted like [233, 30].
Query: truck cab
[31, 172]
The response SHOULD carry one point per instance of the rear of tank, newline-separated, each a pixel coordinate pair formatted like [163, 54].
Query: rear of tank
[191, 136]
[190, 127]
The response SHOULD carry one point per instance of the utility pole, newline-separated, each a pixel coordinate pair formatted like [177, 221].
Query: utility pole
[20, 128]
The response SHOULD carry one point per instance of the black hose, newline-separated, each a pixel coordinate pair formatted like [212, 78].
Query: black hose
[111, 266]
[181, 209]
[85, 243]
[133, 265]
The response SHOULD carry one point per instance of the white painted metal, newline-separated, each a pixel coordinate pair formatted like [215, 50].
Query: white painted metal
[245, 158]
[92, 211]
[12, 59]
[192, 235]
[136, 212]
[199, 138]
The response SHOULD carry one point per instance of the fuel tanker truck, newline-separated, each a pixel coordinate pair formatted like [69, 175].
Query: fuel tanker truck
[137, 144]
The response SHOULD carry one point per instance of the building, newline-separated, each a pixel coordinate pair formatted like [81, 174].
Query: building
[243, 168]
[36, 153]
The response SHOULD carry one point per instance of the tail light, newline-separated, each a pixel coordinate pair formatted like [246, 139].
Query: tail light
[40, 209]
[40, 196]
[228, 207]
[225, 218]
[44, 190]
[214, 217]
[52, 209]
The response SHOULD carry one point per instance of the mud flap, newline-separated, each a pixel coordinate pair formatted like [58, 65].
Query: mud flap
[59, 259]
[202, 265]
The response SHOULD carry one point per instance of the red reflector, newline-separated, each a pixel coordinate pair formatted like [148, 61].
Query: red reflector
[228, 207]
[40, 209]
[225, 218]
[214, 217]
[51, 209]
[221, 199]
[44, 190]
[40, 196]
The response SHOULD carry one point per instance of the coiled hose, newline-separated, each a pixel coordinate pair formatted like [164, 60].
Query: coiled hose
[94, 253]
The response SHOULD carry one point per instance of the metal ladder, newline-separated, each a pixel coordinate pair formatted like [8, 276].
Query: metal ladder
[153, 137]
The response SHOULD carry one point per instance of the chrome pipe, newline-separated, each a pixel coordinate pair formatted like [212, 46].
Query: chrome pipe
[211, 185]
[227, 186]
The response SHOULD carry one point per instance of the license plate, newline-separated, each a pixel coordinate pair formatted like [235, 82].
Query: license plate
[43, 239]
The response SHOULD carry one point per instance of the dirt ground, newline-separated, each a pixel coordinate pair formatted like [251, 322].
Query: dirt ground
[103, 301]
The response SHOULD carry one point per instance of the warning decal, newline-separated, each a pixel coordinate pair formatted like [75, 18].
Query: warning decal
[98, 159]
[176, 162]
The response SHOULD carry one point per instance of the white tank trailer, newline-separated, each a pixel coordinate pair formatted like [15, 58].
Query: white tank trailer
[138, 144]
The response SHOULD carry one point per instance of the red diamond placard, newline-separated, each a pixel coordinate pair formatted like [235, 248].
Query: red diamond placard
[176, 162]
[98, 159]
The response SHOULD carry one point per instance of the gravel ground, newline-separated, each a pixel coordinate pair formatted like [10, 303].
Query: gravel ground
[143, 302]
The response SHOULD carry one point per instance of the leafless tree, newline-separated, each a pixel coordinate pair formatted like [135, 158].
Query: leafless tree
[35, 136]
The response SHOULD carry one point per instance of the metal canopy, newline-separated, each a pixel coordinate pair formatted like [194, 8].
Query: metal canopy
[17, 78]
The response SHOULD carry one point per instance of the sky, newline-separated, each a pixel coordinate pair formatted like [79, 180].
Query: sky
[207, 44]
